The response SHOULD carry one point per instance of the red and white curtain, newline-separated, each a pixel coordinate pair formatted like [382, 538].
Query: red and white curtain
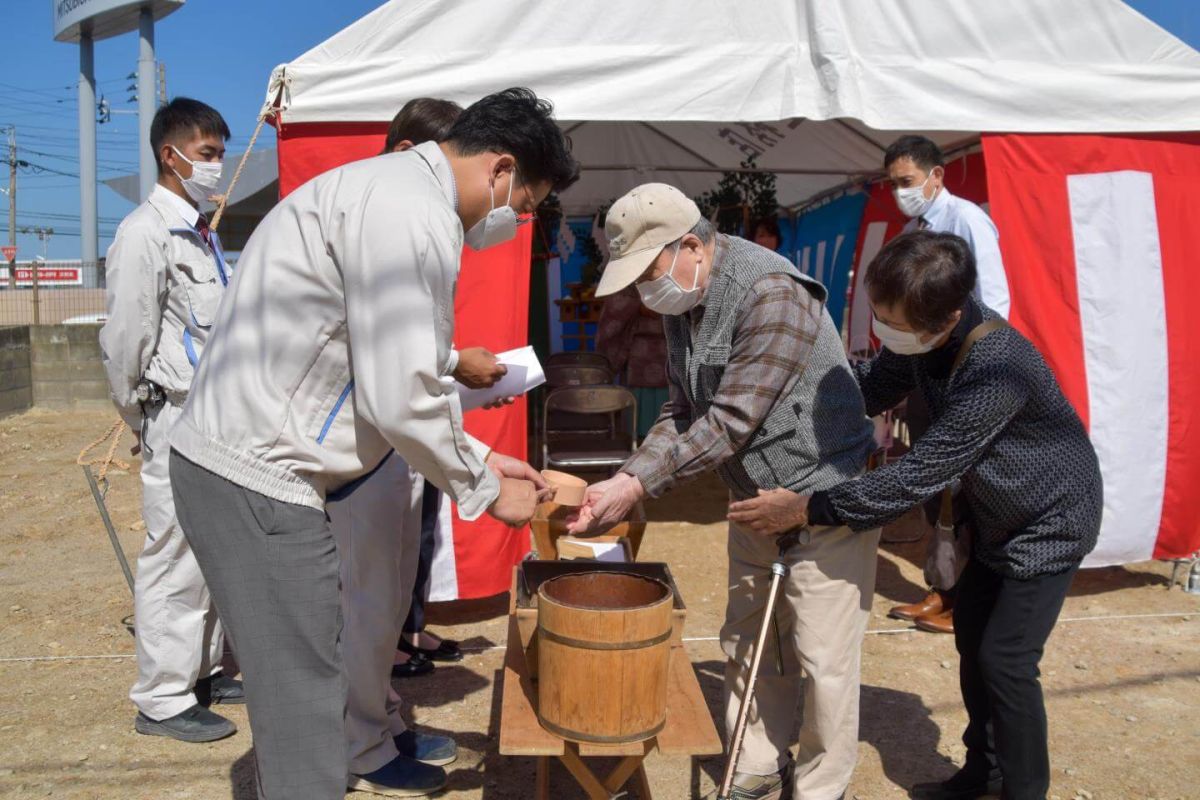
[1099, 239]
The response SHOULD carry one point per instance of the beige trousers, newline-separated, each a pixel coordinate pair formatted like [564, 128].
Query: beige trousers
[377, 527]
[822, 615]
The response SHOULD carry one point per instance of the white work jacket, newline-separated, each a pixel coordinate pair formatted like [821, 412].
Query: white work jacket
[332, 342]
[163, 288]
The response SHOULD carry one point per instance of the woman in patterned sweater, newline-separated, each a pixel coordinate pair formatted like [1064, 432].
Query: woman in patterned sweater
[1006, 441]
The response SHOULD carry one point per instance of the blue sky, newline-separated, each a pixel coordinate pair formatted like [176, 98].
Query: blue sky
[220, 51]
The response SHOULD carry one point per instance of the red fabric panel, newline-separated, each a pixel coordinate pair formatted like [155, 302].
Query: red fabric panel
[308, 149]
[1028, 189]
[1030, 207]
[491, 310]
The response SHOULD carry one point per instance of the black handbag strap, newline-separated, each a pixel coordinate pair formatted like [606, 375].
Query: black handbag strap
[946, 515]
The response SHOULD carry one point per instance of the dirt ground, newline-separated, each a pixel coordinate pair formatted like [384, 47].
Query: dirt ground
[1121, 671]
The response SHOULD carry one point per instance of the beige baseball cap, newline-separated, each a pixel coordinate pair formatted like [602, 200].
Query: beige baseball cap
[638, 227]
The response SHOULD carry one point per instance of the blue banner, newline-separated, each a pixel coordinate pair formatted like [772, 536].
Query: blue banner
[826, 238]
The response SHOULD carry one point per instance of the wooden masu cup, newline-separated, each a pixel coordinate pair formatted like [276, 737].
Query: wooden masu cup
[603, 656]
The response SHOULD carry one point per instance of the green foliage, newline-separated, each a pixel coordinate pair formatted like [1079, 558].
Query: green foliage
[736, 192]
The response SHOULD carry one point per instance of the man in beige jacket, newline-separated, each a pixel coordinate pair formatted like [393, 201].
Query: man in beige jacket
[331, 349]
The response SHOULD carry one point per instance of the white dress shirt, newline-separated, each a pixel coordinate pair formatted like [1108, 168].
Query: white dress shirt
[951, 214]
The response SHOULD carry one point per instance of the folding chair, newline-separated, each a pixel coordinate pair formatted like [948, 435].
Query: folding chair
[559, 375]
[588, 428]
[579, 358]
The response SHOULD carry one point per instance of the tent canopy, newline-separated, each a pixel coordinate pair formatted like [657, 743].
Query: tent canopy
[681, 90]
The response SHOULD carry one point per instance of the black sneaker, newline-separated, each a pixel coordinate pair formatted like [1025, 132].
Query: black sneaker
[197, 724]
[963, 785]
[400, 777]
[427, 747]
[217, 689]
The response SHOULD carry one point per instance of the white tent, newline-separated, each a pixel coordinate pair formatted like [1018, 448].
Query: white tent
[680, 90]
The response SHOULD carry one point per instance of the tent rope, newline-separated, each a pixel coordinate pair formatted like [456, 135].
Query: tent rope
[277, 96]
[114, 433]
[216, 220]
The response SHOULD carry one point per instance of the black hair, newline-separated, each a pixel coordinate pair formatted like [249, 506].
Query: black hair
[423, 119]
[770, 223]
[929, 275]
[517, 122]
[182, 117]
[923, 152]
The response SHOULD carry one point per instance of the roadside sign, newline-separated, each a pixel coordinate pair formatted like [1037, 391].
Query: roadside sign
[47, 276]
[9, 252]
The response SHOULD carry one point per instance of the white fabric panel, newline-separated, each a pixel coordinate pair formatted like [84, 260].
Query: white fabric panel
[443, 574]
[860, 312]
[1022, 65]
[1118, 268]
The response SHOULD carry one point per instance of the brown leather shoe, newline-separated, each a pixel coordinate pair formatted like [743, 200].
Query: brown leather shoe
[934, 603]
[942, 622]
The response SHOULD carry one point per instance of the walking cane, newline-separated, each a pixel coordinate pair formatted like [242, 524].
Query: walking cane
[779, 571]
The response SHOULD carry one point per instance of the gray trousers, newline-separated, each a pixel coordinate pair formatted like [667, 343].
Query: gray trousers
[272, 570]
[376, 523]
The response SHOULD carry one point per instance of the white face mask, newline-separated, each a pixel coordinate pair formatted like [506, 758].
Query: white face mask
[903, 343]
[666, 296]
[500, 224]
[912, 201]
[205, 177]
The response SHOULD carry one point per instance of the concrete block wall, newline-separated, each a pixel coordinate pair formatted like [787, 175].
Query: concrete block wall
[16, 374]
[66, 366]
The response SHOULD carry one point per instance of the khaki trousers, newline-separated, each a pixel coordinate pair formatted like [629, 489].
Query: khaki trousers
[377, 527]
[822, 615]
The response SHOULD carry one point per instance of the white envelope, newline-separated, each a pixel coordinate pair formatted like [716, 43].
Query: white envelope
[524, 374]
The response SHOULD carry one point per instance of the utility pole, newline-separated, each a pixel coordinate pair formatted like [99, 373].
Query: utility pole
[44, 234]
[145, 95]
[88, 225]
[162, 84]
[12, 205]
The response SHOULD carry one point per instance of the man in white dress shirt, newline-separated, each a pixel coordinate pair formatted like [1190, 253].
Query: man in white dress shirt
[917, 171]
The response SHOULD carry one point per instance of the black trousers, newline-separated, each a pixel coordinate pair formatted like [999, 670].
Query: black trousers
[431, 503]
[1000, 629]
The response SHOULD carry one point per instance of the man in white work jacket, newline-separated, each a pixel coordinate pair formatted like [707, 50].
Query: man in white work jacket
[330, 350]
[165, 277]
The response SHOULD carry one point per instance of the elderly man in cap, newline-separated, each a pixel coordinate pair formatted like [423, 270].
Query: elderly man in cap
[760, 391]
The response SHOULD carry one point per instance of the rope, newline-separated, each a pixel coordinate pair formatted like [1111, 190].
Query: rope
[114, 433]
[216, 220]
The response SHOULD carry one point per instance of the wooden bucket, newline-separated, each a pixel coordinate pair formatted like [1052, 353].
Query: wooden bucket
[603, 654]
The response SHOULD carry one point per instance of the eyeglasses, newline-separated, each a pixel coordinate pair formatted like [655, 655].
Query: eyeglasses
[526, 219]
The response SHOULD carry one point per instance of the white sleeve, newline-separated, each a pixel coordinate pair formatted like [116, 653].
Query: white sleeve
[399, 261]
[135, 274]
[452, 364]
[980, 232]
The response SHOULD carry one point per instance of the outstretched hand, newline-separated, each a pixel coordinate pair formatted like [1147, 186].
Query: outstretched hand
[508, 467]
[606, 504]
[773, 511]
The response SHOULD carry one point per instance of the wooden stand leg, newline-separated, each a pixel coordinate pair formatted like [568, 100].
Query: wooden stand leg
[542, 787]
[641, 783]
[582, 773]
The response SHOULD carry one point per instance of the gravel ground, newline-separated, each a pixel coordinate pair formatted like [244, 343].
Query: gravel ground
[1121, 672]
